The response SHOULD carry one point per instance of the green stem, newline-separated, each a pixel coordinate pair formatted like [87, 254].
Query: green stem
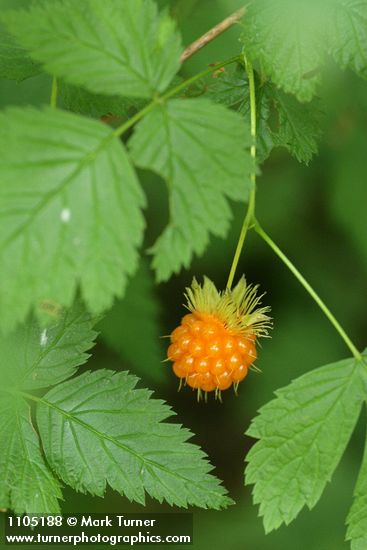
[249, 216]
[170, 93]
[53, 99]
[306, 285]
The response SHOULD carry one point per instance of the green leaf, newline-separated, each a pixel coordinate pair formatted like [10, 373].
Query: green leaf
[357, 517]
[135, 320]
[80, 100]
[33, 357]
[118, 48]
[69, 212]
[26, 484]
[14, 61]
[37, 357]
[201, 149]
[298, 127]
[302, 436]
[286, 38]
[281, 119]
[348, 35]
[292, 39]
[98, 429]
[230, 88]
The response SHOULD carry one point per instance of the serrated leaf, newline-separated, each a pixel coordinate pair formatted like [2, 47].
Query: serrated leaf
[357, 517]
[347, 34]
[116, 47]
[201, 149]
[36, 357]
[298, 126]
[292, 39]
[281, 119]
[80, 100]
[230, 88]
[286, 37]
[302, 436]
[70, 212]
[98, 429]
[26, 483]
[132, 327]
[15, 64]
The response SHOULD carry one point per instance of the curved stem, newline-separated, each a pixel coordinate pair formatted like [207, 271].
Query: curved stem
[170, 93]
[306, 285]
[53, 98]
[249, 216]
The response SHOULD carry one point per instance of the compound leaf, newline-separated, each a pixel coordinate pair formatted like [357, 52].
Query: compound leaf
[70, 208]
[119, 47]
[26, 484]
[201, 149]
[357, 517]
[302, 435]
[98, 429]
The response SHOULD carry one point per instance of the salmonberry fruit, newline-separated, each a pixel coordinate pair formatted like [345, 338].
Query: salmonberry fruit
[215, 344]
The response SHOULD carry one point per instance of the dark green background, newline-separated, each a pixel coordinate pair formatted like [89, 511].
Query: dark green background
[317, 214]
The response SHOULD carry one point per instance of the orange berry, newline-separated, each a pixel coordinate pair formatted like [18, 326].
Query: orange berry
[218, 366]
[178, 333]
[188, 363]
[195, 348]
[215, 344]
[233, 361]
[179, 369]
[188, 319]
[209, 330]
[213, 347]
[174, 352]
[202, 365]
[229, 344]
[224, 380]
[209, 355]
[194, 380]
[208, 382]
[240, 373]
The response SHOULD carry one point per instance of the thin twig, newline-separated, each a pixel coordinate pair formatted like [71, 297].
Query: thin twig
[212, 34]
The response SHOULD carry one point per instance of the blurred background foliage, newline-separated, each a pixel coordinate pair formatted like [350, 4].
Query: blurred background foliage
[317, 214]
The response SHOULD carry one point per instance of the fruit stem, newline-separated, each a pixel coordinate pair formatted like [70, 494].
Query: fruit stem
[250, 212]
[53, 98]
[306, 285]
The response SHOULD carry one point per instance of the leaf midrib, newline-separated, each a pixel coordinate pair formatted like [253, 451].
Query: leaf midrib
[127, 449]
